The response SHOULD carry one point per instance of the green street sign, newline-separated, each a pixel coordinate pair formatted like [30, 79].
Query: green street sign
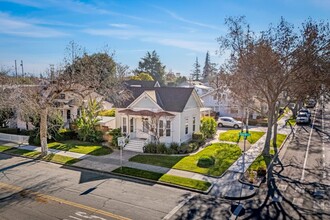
[244, 134]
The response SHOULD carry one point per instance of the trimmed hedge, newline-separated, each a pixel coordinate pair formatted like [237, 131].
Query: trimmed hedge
[206, 161]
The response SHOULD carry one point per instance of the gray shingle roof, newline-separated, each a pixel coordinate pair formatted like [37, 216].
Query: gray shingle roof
[140, 83]
[168, 98]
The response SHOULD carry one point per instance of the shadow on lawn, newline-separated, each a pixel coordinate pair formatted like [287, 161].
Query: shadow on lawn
[82, 147]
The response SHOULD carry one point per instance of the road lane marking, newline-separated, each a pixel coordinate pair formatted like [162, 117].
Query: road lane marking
[307, 150]
[179, 206]
[77, 205]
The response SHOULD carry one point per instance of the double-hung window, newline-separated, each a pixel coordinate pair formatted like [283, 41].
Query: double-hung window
[168, 128]
[124, 125]
[161, 128]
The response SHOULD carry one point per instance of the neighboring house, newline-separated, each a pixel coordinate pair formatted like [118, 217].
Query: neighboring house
[106, 123]
[225, 105]
[200, 87]
[222, 103]
[70, 106]
[141, 83]
[164, 114]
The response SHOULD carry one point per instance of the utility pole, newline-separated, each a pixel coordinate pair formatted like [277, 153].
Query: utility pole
[15, 69]
[22, 68]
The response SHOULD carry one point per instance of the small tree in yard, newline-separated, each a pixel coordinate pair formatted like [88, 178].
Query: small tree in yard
[88, 120]
[208, 127]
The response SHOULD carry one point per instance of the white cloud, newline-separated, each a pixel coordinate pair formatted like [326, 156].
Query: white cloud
[15, 26]
[197, 46]
[184, 20]
[121, 25]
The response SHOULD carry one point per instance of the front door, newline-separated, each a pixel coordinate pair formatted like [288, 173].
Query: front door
[132, 128]
[142, 130]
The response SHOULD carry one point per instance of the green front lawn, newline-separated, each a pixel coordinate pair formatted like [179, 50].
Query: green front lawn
[157, 160]
[224, 155]
[292, 121]
[50, 157]
[261, 161]
[60, 159]
[80, 147]
[166, 178]
[233, 136]
[23, 152]
[4, 148]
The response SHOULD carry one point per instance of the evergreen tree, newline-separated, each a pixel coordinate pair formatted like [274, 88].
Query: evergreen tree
[210, 69]
[151, 64]
[196, 72]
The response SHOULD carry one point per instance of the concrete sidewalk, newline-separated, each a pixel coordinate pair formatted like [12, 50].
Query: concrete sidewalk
[226, 186]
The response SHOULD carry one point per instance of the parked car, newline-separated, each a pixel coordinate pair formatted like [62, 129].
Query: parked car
[302, 118]
[306, 111]
[229, 122]
[310, 103]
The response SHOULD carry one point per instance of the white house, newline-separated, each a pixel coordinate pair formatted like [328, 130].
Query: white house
[225, 104]
[167, 114]
[222, 103]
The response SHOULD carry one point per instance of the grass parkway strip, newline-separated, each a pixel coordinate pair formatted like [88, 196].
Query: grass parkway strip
[165, 178]
[35, 154]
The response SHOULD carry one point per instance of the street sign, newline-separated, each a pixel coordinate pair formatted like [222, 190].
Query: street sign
[244, 134]
[121, 141]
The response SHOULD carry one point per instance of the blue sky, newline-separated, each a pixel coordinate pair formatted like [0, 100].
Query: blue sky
[37, 31]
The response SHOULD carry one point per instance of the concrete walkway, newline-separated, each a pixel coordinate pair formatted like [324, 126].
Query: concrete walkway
[225, 186]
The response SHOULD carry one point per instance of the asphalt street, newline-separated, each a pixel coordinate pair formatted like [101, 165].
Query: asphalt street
[299, 187]
[40, 190]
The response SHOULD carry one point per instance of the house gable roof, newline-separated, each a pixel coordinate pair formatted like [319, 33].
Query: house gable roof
[141, 83]
[146, 100]
[168, 98]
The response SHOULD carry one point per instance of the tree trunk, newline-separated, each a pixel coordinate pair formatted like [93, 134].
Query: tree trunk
[275, 128]
[43, 131]
[269, 129]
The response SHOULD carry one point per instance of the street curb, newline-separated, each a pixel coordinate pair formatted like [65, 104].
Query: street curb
[272, 161]
[117, 174]
[242, 197]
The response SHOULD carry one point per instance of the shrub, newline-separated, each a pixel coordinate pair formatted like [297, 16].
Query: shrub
[208, 127]
[115, 133]
[14, 131]
[162, 149]
[109, 113]
[198, 138]
[174, 148]
[205, 161]
[150, 148]
[34, 138]
[66, 134]
[261, 172]
[183, 149]
[193, 146]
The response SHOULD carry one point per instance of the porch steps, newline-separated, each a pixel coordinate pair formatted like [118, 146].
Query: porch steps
[135, 145]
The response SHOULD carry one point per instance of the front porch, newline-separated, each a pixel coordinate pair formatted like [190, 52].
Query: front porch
[145, 126]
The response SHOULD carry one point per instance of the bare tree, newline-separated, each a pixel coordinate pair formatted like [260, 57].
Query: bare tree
[80, 75]
[267, 64]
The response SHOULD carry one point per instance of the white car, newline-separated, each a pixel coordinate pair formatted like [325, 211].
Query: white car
[302, 118]
[229, 122]
[305, 110]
